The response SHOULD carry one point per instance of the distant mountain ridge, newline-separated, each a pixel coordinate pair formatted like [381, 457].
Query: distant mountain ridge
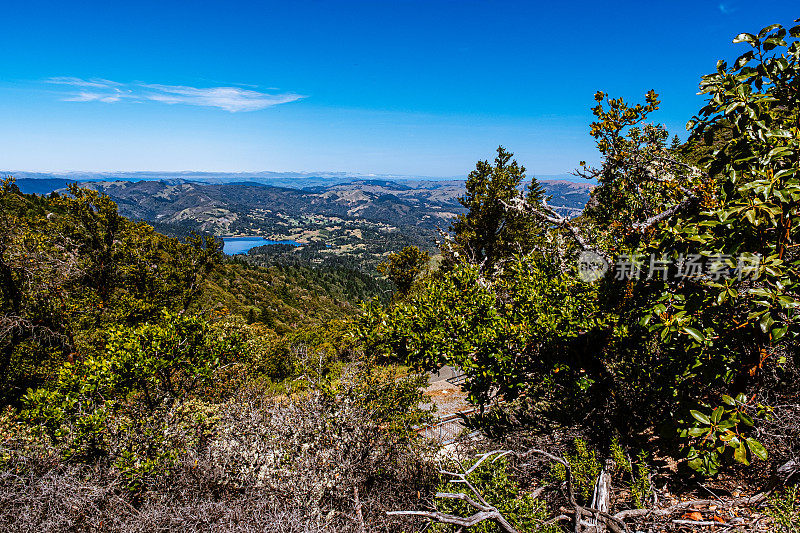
[292, 180]
[245, 207]
[352, 223]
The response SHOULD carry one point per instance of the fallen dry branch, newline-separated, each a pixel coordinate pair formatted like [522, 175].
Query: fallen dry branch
[595, 518]
[486, 511]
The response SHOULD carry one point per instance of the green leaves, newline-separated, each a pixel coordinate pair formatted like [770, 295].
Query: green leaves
[740, 453]
[743, 59]
[142, 370]
[81, 268]
[694, 334]
[455, 318]
[700, 417]
[757, 449]
[747, 134]
[489, 231]
[764, 31]
[404, 267]
[711, 438]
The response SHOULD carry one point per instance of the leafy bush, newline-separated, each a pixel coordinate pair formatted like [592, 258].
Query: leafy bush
[585, 469]
[721, 434]
[139, 381]
[457, 319]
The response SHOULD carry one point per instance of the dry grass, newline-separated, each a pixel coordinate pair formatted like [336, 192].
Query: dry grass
[301, 464]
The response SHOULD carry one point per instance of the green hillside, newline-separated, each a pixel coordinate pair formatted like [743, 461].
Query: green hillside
[632, 367]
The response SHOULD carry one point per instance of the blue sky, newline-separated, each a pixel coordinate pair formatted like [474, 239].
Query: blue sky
[389, 87]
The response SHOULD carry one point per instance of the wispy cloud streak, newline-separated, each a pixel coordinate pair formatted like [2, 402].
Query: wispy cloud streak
[97, 83]
[232, 99]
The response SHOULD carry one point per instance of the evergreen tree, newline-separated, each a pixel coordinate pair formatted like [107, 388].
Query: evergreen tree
[490, 232]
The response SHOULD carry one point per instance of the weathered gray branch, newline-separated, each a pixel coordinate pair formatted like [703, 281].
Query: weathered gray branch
[549, 215]
[486, 511]
[469, 521]
[655, 219]
[463, 497]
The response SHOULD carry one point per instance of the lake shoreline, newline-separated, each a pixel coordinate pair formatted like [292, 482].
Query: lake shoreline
[242, 245]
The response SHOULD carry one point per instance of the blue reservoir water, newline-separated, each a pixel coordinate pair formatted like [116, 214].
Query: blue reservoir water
[241, 245]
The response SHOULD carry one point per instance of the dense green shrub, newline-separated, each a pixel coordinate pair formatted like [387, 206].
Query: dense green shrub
[140, 380]
[70, 269]
[639, 351]
[485, 327]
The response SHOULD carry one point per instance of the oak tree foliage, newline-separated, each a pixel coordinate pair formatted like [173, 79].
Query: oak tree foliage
[699, 337]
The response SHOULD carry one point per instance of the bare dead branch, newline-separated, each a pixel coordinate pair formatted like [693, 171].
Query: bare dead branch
[483, 457]
[445, 518]
[664, 215]
[486, 511]
[549, 215]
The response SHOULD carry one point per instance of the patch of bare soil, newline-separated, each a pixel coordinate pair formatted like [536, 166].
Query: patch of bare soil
[448, 398]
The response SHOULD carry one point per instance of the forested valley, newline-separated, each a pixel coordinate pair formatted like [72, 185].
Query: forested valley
[633, 368]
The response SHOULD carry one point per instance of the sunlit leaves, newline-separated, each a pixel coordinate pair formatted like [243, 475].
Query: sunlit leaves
[455, 318]
[724, 433]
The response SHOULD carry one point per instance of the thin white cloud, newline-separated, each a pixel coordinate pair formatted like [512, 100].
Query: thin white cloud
[232, 99]
[97, 83]
[85, 96]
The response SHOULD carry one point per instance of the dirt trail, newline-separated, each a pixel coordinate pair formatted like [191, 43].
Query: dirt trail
[448, 398]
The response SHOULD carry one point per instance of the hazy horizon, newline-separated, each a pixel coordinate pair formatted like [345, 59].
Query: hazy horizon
[266, 174]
